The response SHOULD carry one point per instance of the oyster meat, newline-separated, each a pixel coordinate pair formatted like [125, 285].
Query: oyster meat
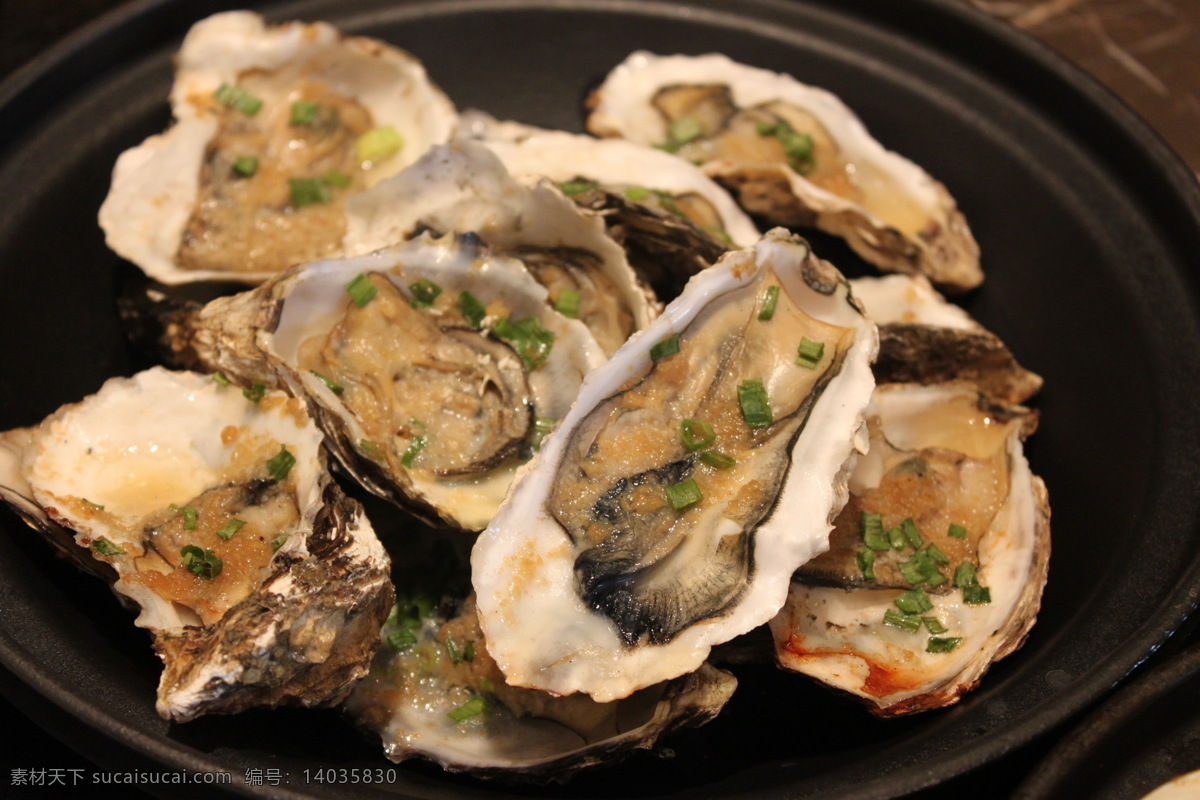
[261, 583]
[698, 468]
[794, 154]
[434, 367]
[274, 127]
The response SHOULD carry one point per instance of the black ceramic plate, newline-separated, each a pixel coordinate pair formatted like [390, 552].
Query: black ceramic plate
[1144, 736]
[1089, 229]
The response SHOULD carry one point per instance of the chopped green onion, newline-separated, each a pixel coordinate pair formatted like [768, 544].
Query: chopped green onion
[402, 641]
[637, 193]
[336, 178]
[669, 147]
[964, 576]
[911, 533]
[696, 434]
[329, 384]
[872, 523]
[541, 427]
[527, 336]
[200, 562]
[685, 129]
[718, 460]
[173, 507]
[957, 531]
[934, 577]
[667, 347]
[668, 202]
[865, 558]
[231, 527]
[933, 625]
[308, 191]
[378, 144]
[768, 307]
[683, 494]
[472, 309]
[238, 99]
[914, 602]
[191, 518]
[567, 303]
[922, 567]
[278, 542]
[281, 464]
[424, 292]
[106, 548]
[809, 353]
[895, 619]
[896, 538]
[304, 112]
[245, 166]
[942, 644]
[458, 656]
[912, 572]
[756, 409]
[720, 233]
[976, 595]
[361, 290]
[486, 685]
[220, 379]
[255, 392]
[370, 449]
[765, 128]
[937, 555]
[472, 708]
[579, 186]
[418, 444]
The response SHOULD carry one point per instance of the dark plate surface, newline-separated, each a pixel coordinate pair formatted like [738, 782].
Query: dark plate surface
[1088, 227]
[1147, 734]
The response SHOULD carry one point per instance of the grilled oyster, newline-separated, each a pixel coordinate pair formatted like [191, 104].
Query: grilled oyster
[936, 565]
[695, 472]
[464, 187]
[433, 367]
[433, 691]
[275, 127]
[261, 583]
[793, 153]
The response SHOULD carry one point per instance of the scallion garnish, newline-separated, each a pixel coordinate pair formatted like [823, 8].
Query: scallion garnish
[911, 533]
[685, 129]
[378, 144]
[281, 464]
[718, 460]
[895, 619]
[798, 146]
[200, 562]
[370, 449]
[402, 640]
[865, 558]
[278, 542]
[567, 303]
[191, 518]
[238, 99]
[912, 571]
[769, 301]
[361, 290]
[457, 656]
[637, 193]
[683, 494]
[472, 708]
[418, 444]
[231, 527]
[245, 166]
[541, 427]
[896, 538]
[938, 644]
[220, 379]
[976, 595]
[667, 347]
[937, 555]
[957, 531]
[527, 336]
[329, 384]
[914, 602]
[964, 575]
[696, 434]
[756, 409]
[577, 186]
[933, 625]
[308, 191]
[106, 548]
[472, 309]
[304, 112]
[809, 353]
[424, 292]
[336, 178]
[254, 392]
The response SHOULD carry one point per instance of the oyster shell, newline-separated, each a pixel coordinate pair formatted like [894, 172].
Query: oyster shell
[907, 612]
[261, 583]
[275, 126]
[464, 187]
[794, 154]
[620, 557]
[436, 693]
[426, 404]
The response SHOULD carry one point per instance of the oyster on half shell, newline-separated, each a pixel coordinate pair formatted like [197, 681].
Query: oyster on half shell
[261, 583]
[697, 469]
[794, 154]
